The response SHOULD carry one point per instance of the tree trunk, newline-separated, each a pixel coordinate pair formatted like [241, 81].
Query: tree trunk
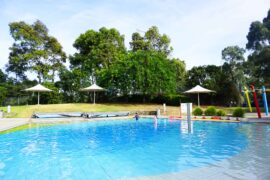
[39, 77]
[144, 98]
[53, 76]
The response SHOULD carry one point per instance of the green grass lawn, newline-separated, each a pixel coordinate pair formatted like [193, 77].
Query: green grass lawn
[27, 111]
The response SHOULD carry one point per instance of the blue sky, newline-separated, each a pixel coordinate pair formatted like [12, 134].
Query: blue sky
[199, 30]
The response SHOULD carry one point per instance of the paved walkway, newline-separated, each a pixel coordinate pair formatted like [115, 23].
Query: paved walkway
[8, 123]
[253, 118]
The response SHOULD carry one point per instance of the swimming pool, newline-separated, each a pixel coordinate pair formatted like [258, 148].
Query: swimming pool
[120, 149]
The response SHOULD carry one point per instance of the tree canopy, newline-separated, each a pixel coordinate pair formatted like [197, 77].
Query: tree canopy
[151, 41]
[34, 50]
[97, 50]
[143, 72]
[259, 43]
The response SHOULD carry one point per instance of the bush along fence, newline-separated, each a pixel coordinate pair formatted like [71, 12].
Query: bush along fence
[212, 113]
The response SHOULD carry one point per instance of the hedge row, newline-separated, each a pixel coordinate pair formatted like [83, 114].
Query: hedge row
[212, 111]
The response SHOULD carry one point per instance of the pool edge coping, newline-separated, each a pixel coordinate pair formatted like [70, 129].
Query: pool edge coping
[24, 121]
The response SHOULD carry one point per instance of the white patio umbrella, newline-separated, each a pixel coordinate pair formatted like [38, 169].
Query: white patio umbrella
[197, 90]
[93, 88]
[38, 88]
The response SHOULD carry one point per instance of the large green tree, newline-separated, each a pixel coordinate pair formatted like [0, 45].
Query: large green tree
[258, 65]
[151, 41]
[70, 82]
[34, 50]
[11, 90]
[153, 73]
[97, 50]
[179, 68]
[233, 67]
[215, 78]
[234, 58]
[144, 73]
[3, 89]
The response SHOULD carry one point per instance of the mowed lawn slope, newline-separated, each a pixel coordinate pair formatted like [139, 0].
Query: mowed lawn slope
[27, 111]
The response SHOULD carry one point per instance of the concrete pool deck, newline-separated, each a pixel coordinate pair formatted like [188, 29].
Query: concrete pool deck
[9, 123]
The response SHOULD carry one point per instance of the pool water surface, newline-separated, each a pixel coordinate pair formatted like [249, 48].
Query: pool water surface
[117, 149]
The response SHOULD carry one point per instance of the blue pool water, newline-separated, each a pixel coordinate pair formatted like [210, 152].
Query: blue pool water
[116, 149]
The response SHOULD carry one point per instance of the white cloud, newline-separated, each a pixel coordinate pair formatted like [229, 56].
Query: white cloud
[205, 32]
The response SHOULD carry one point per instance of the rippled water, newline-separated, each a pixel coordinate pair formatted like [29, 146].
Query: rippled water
[119, 149]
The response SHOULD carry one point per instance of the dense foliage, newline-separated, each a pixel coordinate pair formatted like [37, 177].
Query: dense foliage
[221, 113]
[210, 111]
[144, 72]
[197, 111]
[238, 112]
[259, 44]
[34, 50]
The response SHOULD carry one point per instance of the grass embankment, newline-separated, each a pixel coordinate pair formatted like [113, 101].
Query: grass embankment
[27, 111]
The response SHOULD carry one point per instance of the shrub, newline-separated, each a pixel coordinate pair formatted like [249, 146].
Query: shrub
[238, 112]
[221, 113]
[210, 111]
[197, 111]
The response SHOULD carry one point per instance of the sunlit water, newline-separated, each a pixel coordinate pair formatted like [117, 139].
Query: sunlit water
[120, 149]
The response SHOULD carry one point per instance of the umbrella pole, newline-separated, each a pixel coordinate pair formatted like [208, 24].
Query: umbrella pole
[94, 97]
[38, 99]
[198, 99]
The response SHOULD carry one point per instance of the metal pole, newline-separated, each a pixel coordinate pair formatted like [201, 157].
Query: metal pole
[256, 101]
[38, 98]
[248, 99]
[94, 97]
[265, 101]
[189, 117]
[198, 99]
